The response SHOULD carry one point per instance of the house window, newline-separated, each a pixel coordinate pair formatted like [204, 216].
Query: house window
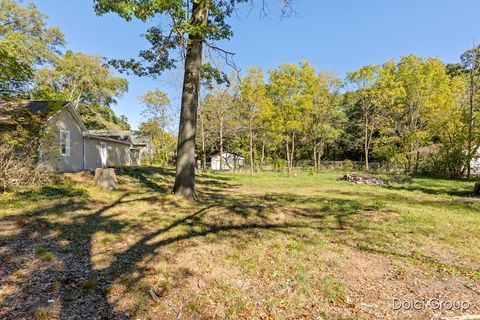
[65, 143]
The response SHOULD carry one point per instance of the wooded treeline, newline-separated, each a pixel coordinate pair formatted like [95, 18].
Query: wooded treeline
[416, 114]
[34, 66]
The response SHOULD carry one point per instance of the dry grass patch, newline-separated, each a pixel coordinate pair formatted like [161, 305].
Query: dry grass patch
[262, 247]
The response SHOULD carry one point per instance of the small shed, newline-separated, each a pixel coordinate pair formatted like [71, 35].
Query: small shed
[231, 161]
[475, 163]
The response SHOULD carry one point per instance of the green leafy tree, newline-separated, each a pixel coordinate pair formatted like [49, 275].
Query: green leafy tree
[291, 89]
[219, 119]
[193, 24]
[323, 120]
[363, 80]
[14, 76]
[164, 143]
[426, 86]
[253, 101]
[81, 79]
[87, 83]
[156, 109]
[470, 61]
[388, 101]
[25, 43]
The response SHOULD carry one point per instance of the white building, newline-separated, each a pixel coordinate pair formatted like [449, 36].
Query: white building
[475, 163]
[231, 161]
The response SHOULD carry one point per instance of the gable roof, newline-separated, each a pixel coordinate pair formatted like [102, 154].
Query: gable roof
[137, 137]
[125, 140]
[35, 107]
[228, 154]
[12, 112]
[15, 112]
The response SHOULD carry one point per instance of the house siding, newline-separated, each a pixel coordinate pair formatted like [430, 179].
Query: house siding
[84, 148]
[74, 161]
[230, 162]
[135, 156]
[118, 154]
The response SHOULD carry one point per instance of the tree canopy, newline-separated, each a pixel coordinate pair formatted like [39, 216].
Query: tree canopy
[25, 43]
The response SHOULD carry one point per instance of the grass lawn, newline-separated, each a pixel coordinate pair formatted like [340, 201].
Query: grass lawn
[262, 247]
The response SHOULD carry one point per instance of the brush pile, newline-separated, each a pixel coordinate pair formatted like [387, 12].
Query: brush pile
[362, 179]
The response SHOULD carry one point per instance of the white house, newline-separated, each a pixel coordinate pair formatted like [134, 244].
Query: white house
[231, 161]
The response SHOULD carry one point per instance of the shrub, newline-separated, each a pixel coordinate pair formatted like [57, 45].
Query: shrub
[20, 139]
[347, 165]
[401, 178]
[18, 167]
[279, 164]
[44, 254]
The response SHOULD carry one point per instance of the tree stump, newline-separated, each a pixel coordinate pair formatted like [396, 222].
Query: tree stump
[476, 189]
[106, 179]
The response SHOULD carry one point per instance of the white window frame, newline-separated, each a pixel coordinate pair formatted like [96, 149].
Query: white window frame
[67, 143]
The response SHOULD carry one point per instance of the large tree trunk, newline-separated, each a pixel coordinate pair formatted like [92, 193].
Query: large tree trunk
[185, 167]
[315, 157]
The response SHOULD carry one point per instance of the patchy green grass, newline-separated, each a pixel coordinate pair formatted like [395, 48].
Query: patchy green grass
[270, 246]
[44, 254]
[44, 313]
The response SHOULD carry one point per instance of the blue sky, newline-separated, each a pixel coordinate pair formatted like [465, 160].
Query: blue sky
[337, 36]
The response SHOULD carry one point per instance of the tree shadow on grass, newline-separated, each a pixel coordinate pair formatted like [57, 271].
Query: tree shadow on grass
[49, 193]
[67, 229]
[440, 190]
[154, 178]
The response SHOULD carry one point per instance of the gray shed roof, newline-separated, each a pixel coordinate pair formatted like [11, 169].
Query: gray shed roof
[137, 137]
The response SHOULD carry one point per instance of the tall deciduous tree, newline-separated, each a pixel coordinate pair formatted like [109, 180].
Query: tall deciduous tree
[219, 117]
[253, 102]
[156, 110]
[363, 79]
[291, 90]
[81, 79]
[192, 24]
[25, 43]
[324, 118]
[14, 76]
[426, 86]
[88, 83]
[471, 63]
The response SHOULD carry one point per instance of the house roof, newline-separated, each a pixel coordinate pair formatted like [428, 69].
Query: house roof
[11, 111]
[228, 154]
[125, 140]
[137, 137]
